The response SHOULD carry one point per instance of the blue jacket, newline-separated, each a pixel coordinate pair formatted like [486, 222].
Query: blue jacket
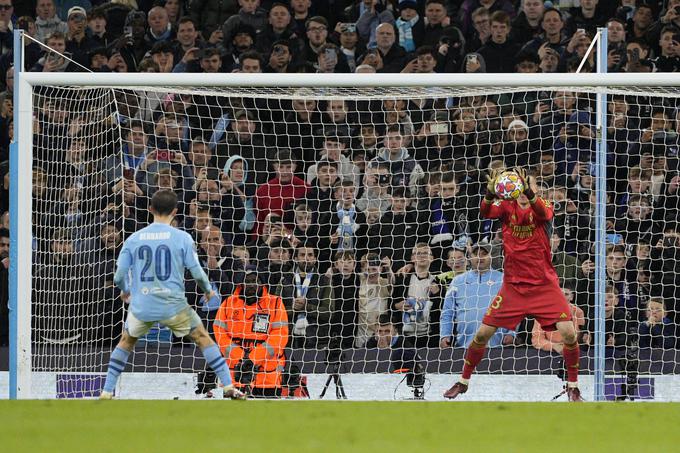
[465, 304]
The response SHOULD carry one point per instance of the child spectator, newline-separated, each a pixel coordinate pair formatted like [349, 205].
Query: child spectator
[345, 282]
[657, 331]
[375, 291]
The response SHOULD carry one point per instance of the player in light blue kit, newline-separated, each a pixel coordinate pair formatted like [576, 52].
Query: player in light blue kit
[150, 275]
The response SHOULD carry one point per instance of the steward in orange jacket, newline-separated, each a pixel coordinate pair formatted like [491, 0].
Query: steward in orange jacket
[251, 329]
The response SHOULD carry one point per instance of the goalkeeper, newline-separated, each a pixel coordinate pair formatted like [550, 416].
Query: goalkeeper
[154, 259]
[530, 284]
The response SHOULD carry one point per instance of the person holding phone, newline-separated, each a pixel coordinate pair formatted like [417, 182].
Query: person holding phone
[327, 59]
[669, 42]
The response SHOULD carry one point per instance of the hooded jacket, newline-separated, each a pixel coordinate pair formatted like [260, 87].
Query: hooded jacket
[404, 169]
[238, 215]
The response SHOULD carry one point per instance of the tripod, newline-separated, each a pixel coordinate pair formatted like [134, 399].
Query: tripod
[334, 357]
[339, 388]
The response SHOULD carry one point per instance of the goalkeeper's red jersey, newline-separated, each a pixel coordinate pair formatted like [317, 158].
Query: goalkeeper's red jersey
[526, 240]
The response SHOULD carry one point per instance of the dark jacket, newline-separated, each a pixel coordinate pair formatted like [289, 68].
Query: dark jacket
[499, 57]
[209, 15]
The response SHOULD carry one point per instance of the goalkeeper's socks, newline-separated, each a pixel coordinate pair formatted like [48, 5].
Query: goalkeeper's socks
[217, 363]
[571, 359]
[473, 355]
[117, 362]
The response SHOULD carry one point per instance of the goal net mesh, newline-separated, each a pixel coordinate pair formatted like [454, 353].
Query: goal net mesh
[360, 208]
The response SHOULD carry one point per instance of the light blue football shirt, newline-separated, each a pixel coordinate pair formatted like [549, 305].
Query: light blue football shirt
[151, 268]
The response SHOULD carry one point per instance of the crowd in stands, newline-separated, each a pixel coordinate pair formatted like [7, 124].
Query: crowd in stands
[350, 209]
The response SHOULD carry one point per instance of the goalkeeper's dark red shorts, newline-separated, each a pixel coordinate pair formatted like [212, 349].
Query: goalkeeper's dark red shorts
[514, 302]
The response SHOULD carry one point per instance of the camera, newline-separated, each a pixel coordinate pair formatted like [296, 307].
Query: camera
[439, 128]
[165, 155]
[349, 28]
[278, 50]
[374, 262]
[444, 40]
[384, 180]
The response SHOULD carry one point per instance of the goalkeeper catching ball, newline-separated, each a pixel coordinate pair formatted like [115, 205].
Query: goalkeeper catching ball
[530, 284]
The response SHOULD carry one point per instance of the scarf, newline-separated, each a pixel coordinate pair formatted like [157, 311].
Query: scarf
[405, 28]
[346, 228]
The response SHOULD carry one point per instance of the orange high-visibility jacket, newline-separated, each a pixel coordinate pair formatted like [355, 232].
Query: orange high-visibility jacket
[258, 332]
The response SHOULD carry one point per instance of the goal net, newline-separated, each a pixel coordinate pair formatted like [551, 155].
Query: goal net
[359, 207]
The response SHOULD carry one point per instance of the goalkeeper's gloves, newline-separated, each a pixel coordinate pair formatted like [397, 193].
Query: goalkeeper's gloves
[527, 182]
[491, 184]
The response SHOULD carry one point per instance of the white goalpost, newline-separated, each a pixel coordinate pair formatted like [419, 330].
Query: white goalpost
[78, 190]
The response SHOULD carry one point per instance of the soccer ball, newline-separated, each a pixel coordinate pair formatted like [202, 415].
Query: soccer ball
[509, 186]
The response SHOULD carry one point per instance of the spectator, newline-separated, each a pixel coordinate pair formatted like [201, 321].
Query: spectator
[277, 194]
[333, 151]
[411, 296]
[320, 198]
[482, 30]
[243, 139]
[209, 15]
[552, 341]
[243, 42]
[377, 180]
[278, 29]
[53, 61]
[586, 17]
[657, 331]
[187, 38]
[374, 294]
[404, 169]
[349, 44]
[215, 260]
[96, 28]
[160, 28]
[410, 25]
[436, 20]
[442, 219]
[249, 14]
[492, 6]
[313, 300]
[395, 232]
[257, 318]
[79, 44]
[527, 25]
[300, 12]
[280, 58]
[499, 53]
[345, 283]
[467, 299]
[393, 55]
[237, 204]
[637, 223]
[374, 14]
[250, 62]
[553, 38]
[47, 21]
[668, 60]
[642, 20]
[615, 319]
[133, 45]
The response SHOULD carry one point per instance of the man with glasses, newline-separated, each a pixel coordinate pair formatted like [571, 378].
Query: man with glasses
[317, 35]
[77, 42]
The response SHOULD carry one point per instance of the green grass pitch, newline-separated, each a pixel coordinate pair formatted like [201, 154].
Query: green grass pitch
[323, 426]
